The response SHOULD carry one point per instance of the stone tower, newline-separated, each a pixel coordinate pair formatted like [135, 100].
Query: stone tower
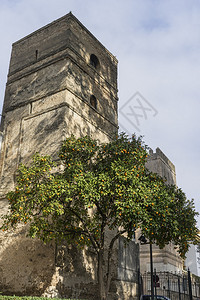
[166, 259]
[159, 163]
[61, 81]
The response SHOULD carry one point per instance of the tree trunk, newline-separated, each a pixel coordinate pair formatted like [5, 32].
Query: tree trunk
[100, 275]
[108, 274]
[110, 252]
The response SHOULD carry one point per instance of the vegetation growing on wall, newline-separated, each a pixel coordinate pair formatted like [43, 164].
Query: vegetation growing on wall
[102, 188]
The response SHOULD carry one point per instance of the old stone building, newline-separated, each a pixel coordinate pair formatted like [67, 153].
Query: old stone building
[61, 81]
[167, 259]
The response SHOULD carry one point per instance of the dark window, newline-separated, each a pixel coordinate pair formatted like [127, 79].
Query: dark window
[94, 61]
[93, 101]
[36, 54]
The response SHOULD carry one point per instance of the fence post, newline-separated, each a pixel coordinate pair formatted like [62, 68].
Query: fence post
[151, 268]
[155, 282]
[184, 285]
[179, 289]
[168, 281]
[189, 285]
[139, 284]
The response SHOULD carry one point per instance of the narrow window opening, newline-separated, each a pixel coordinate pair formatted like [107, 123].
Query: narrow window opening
[36, 54]
[93, 101]
[94, 61]
[31, 108]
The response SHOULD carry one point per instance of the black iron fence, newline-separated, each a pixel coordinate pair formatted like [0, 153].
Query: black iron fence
[172, 285]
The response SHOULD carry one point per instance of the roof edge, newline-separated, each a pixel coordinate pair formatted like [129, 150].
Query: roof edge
[69, 15]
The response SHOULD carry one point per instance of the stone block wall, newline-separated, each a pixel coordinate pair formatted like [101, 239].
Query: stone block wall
[159, 163]
[167, 259]
[48, 93]
[48, 97]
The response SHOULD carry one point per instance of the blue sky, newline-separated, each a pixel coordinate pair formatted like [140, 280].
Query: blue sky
[157, 44]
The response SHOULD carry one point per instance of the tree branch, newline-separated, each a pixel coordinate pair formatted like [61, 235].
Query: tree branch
[110, 249]
[92, 238]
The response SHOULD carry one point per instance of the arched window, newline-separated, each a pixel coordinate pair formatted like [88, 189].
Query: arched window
[94, 61]
[93, 101]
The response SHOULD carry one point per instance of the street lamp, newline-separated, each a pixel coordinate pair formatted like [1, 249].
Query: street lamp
[143, 241]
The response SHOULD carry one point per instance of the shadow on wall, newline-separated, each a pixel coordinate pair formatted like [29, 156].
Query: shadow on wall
[26, 265]
[50, 129]
[77, 273]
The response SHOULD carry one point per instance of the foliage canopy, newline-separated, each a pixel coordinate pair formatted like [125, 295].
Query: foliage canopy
[97, 187]
[100, 185]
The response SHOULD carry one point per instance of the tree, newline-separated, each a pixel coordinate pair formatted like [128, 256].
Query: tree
[102, 188]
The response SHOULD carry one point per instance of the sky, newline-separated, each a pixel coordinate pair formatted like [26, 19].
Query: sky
[157, 44]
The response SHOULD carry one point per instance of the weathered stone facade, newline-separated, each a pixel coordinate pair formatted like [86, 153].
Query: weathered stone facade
[167, 259]
[52, 77]
[159, 163]
[61, 81]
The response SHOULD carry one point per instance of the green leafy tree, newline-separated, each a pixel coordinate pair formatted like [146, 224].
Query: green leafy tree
[102, 188]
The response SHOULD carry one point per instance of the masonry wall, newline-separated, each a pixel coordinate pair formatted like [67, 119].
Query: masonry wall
[159, 163]
[167, 259]
[47, 98]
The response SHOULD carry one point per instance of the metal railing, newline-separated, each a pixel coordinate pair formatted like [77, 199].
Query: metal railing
[172, 285]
